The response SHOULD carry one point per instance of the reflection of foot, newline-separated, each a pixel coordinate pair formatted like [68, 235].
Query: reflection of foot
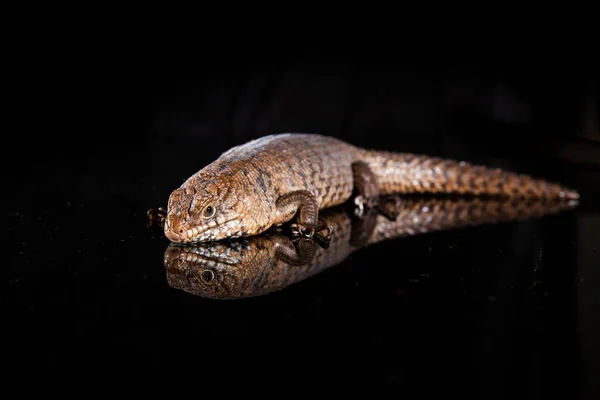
[389, 208]
[321, 234]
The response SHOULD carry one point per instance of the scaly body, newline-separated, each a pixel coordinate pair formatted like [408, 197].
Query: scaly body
[276, 178]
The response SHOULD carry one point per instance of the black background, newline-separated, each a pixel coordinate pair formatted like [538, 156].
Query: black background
[488, 312]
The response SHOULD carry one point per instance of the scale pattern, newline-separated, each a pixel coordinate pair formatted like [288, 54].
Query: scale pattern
[236, 195]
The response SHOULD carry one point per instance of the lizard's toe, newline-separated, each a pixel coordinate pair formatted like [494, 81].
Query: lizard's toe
[321, 233]
[302, 230]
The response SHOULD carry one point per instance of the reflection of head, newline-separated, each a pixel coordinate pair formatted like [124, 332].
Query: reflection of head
[245, 268]
[209, 271]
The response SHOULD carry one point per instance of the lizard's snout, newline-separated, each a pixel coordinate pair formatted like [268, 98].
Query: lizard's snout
[173, 258]
[173, 231]
[172, 236]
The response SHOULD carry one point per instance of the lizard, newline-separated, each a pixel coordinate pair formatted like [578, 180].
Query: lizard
[271, 261]
[280, 177]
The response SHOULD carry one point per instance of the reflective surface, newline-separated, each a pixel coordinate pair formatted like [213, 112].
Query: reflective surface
[493, 311]
[258, 265]
[479, 309]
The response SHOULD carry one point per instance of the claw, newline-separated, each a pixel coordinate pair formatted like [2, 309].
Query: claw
[360, 206]
[300, 230]
[321, 234]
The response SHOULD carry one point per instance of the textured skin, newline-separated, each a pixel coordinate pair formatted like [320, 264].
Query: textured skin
[271, 180]
[271, 261]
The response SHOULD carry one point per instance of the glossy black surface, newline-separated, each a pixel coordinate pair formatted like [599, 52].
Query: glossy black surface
[492, 311]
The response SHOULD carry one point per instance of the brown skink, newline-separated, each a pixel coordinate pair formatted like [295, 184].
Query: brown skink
[277, 178]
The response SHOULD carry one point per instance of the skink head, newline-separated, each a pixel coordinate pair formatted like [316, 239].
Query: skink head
[205, 208]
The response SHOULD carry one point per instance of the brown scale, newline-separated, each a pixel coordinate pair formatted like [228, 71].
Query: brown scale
[401, 173]
[277, 178]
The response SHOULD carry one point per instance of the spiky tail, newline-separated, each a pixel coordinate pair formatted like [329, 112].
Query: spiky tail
[411, 173]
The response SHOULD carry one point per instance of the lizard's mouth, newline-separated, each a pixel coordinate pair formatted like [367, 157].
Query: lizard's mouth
[202, 233]
[185, 236]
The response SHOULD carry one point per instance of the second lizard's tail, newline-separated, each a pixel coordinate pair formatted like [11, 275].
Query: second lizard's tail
[410, 173]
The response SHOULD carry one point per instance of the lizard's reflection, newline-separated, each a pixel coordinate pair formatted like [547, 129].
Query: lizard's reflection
[265, 263]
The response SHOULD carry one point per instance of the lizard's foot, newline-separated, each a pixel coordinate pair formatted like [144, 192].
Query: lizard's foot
[388, 207]
[321, 233]
[363, 205]
[156, 218]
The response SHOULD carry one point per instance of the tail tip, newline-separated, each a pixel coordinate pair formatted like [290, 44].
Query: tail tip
[569, 194]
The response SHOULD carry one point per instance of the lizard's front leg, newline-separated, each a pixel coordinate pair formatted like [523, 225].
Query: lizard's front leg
[305, 205]
[295, 253]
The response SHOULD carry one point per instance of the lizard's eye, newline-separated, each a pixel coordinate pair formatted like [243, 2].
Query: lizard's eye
[209, 211]
[207, 276]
